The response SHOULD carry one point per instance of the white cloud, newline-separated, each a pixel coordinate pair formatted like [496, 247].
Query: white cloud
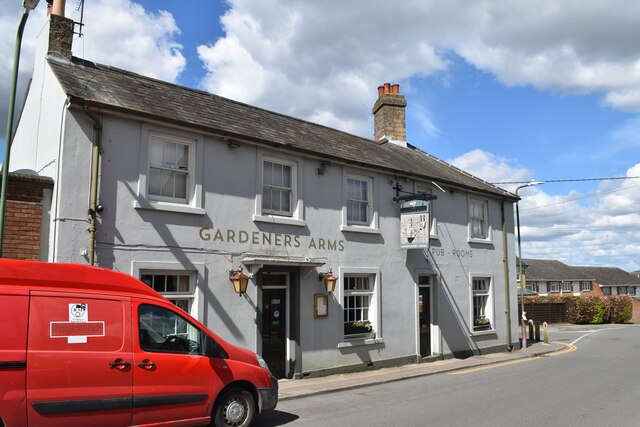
[123, 34]
[117, 32]
[305, 50]
[600, 228]
[491, 168]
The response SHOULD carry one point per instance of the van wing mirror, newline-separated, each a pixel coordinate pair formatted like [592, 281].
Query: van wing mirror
[213, 349]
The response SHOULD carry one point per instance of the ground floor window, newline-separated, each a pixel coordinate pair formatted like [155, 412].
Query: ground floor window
[359, 311]
[481, 300]
[566, 287]
[632, 290]
[533, 286]
[606, 291]
[177, 287]
[622, 290]
[585, 286]
[554, 287]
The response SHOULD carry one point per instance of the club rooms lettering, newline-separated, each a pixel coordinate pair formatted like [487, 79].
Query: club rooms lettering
[270, 239]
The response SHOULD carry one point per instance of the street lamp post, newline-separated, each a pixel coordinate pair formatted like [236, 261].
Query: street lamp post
[522, 284]
[29, 5]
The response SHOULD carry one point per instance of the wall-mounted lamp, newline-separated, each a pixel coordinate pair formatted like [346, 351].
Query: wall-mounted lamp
[233, 144]
[323, 165]
[239, 280]
[329, 280]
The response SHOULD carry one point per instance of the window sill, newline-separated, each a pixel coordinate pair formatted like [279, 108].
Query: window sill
[168, 207]
[360, 229]
[359, 342]
[480, 241]
[274, 219]
[487, 332]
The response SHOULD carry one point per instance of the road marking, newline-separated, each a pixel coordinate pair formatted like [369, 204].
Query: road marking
[569, 349]
[496, 365]
[593, 332]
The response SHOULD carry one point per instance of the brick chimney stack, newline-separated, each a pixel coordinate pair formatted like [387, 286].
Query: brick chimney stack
[389, 116]
[60, 30]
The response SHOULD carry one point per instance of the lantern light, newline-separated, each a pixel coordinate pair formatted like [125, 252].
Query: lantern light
[329, 280]
[239, 280]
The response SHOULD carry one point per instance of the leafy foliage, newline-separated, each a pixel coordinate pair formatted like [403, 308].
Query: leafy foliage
[591, 309]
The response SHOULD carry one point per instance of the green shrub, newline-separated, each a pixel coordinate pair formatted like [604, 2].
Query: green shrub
[619, 309]
[599, 311]
[591, 309]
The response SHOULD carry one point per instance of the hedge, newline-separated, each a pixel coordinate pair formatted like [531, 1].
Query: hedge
[591, 309]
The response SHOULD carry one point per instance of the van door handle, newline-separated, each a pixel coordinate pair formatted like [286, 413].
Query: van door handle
[120, 364]
[146, 365]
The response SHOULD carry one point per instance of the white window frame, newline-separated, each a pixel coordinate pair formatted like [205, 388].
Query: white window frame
[533, 287]
[196, 279]
[566, 286]
[554, 286]
[371, 226]
[606, 291]
[585, 286]
[488, 308]
[374, 313]
[433, 229]
[296, 215]
[192, 204]
[632, 290]
[624, 289]
[487, 231]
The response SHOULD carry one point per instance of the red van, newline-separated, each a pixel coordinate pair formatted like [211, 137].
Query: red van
[85, 346]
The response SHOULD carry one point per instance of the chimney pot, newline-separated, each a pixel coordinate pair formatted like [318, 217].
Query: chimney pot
[395, 88]
[387, 87]
[380, 90]
[58, 7]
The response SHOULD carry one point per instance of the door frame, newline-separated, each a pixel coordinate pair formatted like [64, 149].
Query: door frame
[287, 287]
[433, 329]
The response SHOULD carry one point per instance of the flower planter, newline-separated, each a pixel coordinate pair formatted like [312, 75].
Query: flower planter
[352, 330]
[482, 327]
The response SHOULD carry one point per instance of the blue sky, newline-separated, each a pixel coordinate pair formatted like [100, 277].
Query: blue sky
[509, 91]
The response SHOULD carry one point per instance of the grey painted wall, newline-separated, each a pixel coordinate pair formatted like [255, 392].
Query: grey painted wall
[134, 235]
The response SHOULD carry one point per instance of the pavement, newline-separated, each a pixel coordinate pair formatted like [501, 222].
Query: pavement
[293, 389]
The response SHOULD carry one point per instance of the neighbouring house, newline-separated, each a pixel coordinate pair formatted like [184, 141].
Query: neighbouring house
[26, 220]
[179, 188]
[551, 277]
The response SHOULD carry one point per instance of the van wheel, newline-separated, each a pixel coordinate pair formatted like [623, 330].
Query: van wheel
[236, 407]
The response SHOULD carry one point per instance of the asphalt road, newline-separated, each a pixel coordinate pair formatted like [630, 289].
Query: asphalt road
[596, 382]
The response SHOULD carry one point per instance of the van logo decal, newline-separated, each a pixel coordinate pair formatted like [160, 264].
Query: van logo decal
[79, 328]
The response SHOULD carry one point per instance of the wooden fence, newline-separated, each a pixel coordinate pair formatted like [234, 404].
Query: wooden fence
[550, 312]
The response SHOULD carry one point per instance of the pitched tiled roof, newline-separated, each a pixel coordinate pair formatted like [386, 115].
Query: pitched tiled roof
[92, 84]
[551, 270]
[611, 276]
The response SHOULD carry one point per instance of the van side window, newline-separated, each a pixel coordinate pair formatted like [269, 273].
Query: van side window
[161, 330]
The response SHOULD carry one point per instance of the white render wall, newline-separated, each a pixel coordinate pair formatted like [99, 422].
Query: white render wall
[131, 236]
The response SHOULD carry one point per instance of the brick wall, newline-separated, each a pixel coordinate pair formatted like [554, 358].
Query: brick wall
[23, 216]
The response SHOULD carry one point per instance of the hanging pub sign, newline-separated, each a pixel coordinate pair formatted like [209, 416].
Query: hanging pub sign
[414, 224]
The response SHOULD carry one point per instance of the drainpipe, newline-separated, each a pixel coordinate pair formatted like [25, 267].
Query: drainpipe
[93, 202]
[506, 277]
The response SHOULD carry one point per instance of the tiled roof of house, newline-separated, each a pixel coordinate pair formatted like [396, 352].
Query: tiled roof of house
[552, 270]
[611, 276]
[92, 84]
